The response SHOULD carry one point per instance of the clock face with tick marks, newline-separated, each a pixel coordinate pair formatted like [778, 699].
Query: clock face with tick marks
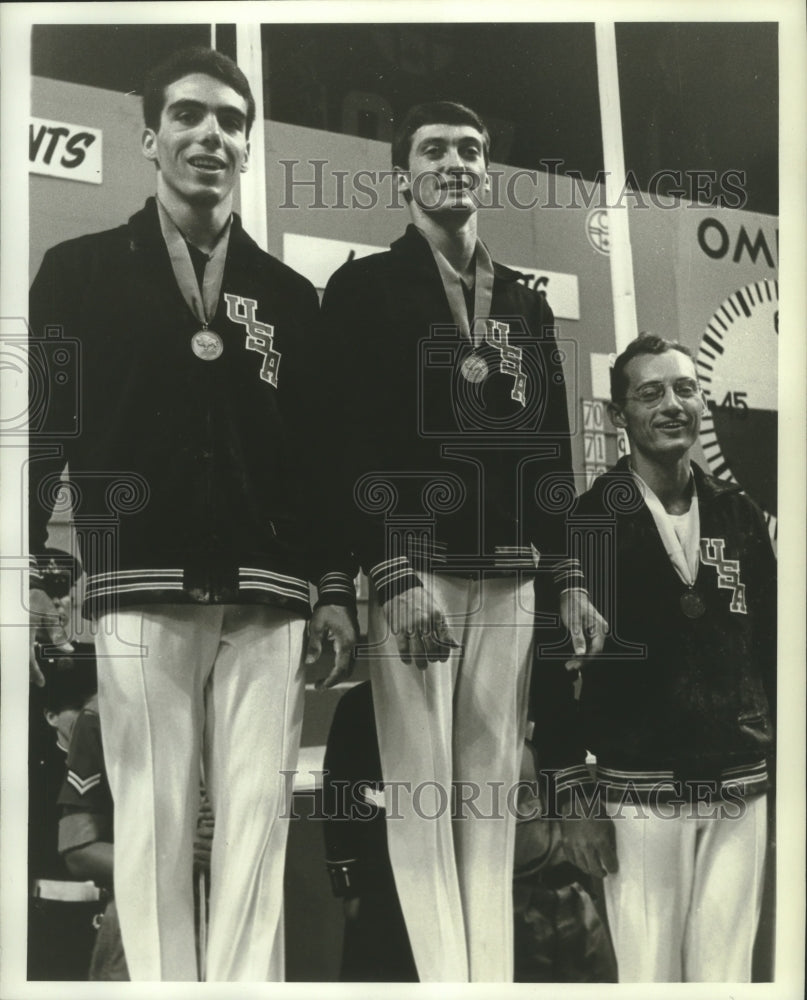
[737, 369]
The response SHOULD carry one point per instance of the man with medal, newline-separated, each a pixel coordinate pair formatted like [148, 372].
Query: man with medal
[678, 710]
[449, 388]
[189, 477]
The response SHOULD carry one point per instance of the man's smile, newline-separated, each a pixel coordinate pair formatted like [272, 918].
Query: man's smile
[207, 162]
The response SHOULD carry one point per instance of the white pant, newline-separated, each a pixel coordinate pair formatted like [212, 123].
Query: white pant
[685, 903]
[460, 721]
[178, 684]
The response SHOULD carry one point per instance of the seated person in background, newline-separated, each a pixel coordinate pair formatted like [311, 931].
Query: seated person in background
[59, 571]
[559, 936]
[376, 944]
[61, 910]
[85, 834]
[86, 839]
[52, 708]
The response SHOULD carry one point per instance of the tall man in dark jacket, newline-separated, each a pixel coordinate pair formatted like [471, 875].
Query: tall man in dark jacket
[451, 394]
[678, 710]
[187, 460]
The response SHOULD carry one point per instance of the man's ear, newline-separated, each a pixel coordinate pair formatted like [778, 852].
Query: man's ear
[245, 162]
[52, 718]
[616, 415]
[148, 144]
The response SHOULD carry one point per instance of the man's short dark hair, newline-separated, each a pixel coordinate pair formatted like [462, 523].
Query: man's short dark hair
[645, 343]
[195, 59]
[434, 113]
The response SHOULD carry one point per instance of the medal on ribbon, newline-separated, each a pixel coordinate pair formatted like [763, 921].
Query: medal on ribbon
[480, 329]
[206, 344]
[474, 368]
[692, 603]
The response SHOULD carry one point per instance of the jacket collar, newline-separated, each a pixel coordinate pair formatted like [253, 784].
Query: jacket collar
[708, 487]
[413, 250]
[145, 232]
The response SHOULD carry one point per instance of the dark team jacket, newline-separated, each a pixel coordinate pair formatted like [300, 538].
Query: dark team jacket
[675, 698]
[445, 473]
[192, 481]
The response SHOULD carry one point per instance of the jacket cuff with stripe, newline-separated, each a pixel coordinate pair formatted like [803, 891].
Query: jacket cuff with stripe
[567, 574]
[393, 577]
[337, 588]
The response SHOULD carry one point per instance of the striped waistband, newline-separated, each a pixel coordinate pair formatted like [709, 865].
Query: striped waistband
[130, 583]
[615, 783]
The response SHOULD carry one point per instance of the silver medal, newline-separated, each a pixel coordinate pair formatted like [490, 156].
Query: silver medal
[474, 368]
[207, 345]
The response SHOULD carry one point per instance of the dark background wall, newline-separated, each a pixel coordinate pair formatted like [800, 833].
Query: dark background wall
[694, 95]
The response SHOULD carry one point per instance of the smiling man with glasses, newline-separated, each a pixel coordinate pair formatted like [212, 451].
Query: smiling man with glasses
[679, 709]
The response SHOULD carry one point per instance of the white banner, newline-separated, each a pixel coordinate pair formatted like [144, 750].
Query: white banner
[59, 149]
[317, 258]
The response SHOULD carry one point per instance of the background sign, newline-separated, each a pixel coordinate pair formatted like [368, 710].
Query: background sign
[561, 290]
[317, 258]
[59, 149]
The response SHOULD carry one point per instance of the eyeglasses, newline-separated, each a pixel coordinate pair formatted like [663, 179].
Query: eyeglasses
[653, 392]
